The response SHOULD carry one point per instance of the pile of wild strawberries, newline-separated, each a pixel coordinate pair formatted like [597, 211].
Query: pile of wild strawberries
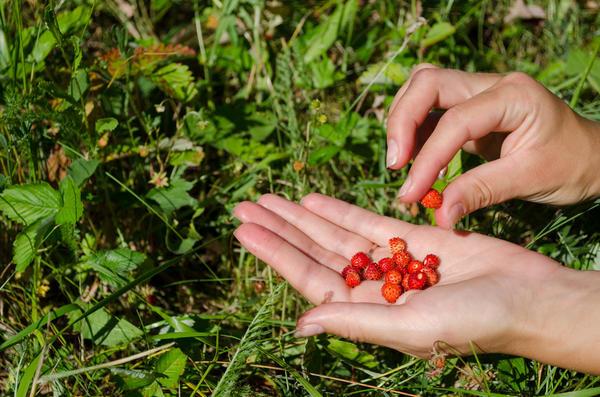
[401, 272]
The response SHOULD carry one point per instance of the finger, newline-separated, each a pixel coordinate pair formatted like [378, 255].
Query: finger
[319, 284]
[497, 109]
[487, 184]
[339, 240]
[428, 88]
[372, 227]
[404, 87]
[248, 212]
[388, 325]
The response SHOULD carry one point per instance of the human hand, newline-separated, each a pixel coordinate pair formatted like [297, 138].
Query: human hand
[540, 149]
[500, 296]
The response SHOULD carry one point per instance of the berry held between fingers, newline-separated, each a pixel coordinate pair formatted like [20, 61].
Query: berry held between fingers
[432, 199]
[353, 279]
[397, 245]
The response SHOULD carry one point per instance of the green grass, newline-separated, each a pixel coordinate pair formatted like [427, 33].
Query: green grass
[121, 159]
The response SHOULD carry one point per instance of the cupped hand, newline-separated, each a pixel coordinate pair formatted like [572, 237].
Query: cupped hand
[485, 294]
[540, 150]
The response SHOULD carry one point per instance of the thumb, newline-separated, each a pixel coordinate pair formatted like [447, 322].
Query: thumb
[487, 184]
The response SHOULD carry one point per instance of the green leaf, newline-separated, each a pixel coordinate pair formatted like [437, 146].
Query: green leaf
[322, 155]
[81, 169]
[172, 365]
[72, 206]
[350, 351]
[175, 80]
[394, 74]
[28, 203]
[112, 265]
[42, 47]
[129, 379]
[4, 54]
[438, 32]
[105, 329]
[106, 124]
[513, 372]
[173, 197]
[27, 242]
[325, 35]
[27, 378]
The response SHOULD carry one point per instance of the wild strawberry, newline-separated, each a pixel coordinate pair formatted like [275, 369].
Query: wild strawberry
[431, 275]
[348, 269]
[414, 266]
[391, 292]
[151, 299]
[394, 276]
[397, 245]
[432, 261]
[404, 282]
[417, 280]
[386, 264]
[372, 272]
[432, 199]
[353, 279]
[360, 260]
[401, 258]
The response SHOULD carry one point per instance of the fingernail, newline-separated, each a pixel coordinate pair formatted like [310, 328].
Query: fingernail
[456, 213]
[405, 187]
[442, 173]
[392, 153]
[308, 330]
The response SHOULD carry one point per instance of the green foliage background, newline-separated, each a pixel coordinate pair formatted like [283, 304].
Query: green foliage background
[130, 130]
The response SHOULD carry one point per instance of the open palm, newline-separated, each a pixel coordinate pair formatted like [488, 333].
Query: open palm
[482, 296]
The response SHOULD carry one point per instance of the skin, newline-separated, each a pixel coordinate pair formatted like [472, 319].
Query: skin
[529, 305]
[549, 151]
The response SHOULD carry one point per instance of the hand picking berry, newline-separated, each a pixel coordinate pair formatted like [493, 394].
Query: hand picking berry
[397, 245]
[386, 264]
[353, 279]
[432, 199]
[391, 292]
[432, 261]
[372, 272]
[360, 260]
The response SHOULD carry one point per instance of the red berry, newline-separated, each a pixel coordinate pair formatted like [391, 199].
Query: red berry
[397, 245]
[432, 199]
[401, 258]
[432, 261]
[348, 269]
[394, 276]
[386, 264]
[417, 280]
[360, 260]
[431, 275]
[151, 299]
[404, 282]
[414, 266]
[372, 272]
[352, 279]
[391, 292]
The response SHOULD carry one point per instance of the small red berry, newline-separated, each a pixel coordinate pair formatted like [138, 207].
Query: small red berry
[432, 261]
[348, 269]
[372, 272]
[401, 258]
[151, 299]
[386, 264]
[432, 199]
[352, 279]
[360, 260]
[414, 266]
[404, 282]
[391, 292]
[397, 245]
[394, 276]
[431, 275]
[417, 280]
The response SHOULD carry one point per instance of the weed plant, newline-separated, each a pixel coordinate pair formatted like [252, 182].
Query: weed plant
[130, 130]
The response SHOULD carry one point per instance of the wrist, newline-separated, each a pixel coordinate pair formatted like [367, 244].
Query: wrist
[560, 320]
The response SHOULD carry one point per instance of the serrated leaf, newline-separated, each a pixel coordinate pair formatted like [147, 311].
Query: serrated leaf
[175, 80]
[173, 197]
[113, 265]
[172, 365]
[72, 206]
[28, 203]
[81, 169]
[27, 242]
[437, 33]
[106, 124]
